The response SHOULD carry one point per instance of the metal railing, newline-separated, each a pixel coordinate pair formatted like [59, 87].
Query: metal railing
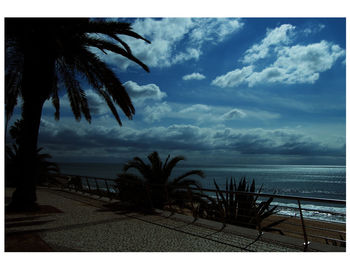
[296, 225]
[103, 187]
[311, 227]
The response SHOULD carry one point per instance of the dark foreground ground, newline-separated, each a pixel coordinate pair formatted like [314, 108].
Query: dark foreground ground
[77, 222]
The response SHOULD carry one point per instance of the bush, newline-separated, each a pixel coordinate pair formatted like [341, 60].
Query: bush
[236, 206]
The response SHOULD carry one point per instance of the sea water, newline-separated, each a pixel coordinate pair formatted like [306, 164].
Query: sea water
[317, 181]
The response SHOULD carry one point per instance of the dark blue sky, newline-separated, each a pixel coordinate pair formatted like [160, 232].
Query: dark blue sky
[220, 91]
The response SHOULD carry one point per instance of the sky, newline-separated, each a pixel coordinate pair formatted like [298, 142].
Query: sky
[220, 91]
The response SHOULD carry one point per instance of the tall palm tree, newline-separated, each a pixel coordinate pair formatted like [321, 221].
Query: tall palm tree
[43, 52]
[155, 187]
[47, 170]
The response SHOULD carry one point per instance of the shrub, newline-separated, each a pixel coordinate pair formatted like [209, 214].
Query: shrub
[236, 206]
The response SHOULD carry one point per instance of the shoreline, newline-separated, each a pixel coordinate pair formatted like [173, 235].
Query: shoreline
[315, 229]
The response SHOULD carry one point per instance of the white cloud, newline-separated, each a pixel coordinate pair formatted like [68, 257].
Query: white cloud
[209, 29]
[96, 103]
[314, 29]
[190, 53]
[213, 115]
[299, 64]
[193, 76]
[143, 92]
[196, 108]
[267, 75]
[167, 34]
[278, 36]
[234, 114]
[292, 64]
[156, 112]
[233, 78]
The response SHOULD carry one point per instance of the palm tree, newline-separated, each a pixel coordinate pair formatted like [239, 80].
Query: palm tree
[153, 187]
[40, 54]
[47, 170]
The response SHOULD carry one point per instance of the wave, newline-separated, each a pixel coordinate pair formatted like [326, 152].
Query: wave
[288, 191]
[311, 211]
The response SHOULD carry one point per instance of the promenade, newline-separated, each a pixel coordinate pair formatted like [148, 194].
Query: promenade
[77, 222]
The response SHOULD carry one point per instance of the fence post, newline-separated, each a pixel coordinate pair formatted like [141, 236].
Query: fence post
[97, 187]
[88, 184]
[306, 242]
[109, 193]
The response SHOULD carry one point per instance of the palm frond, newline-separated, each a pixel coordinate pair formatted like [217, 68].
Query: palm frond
[161, 191]
[76, 95]
[171, 164]
[104, 77]
[55, 98]
[106, 45]
[12, 91]
[110, 104]
[113, 28]
[189, 173]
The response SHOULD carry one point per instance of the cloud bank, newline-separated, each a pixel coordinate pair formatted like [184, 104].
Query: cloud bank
[71, 142]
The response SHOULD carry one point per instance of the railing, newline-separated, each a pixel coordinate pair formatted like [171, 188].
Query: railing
[102, 187]
[295, 225]
[307, 228]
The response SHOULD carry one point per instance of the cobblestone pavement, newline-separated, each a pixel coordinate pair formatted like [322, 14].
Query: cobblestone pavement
[76, 222]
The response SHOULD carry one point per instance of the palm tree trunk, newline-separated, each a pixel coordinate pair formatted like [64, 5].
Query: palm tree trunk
[24, 196]
[37, 82]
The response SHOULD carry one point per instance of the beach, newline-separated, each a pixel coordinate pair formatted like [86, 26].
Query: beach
[293, 227]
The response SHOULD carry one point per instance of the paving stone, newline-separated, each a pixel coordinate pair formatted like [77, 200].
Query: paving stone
[83, 224]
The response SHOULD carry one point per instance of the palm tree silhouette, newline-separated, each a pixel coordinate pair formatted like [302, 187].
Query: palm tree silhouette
[41, 53]
[47, 170]
[154, 188]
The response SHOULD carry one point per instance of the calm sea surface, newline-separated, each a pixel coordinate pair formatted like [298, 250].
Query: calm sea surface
[298, 180]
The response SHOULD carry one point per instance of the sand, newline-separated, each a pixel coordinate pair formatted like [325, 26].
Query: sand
[316, 230]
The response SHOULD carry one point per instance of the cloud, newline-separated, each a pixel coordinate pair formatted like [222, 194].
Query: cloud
[156, 112]
[233, 78]
[204, 115]
[174, 40]
[215, 30]
[191, 53]
[95, 141]
[193, 76]
[274, 142]
[96, 104]
[143, 92]
[234, 114]
[278, 36]
[195, 108]
[297, 64]
[313, 29]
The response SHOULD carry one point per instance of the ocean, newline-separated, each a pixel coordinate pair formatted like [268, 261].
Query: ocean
[318, 181]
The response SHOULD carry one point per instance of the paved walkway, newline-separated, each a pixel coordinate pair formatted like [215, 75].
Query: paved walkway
[76, 222]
